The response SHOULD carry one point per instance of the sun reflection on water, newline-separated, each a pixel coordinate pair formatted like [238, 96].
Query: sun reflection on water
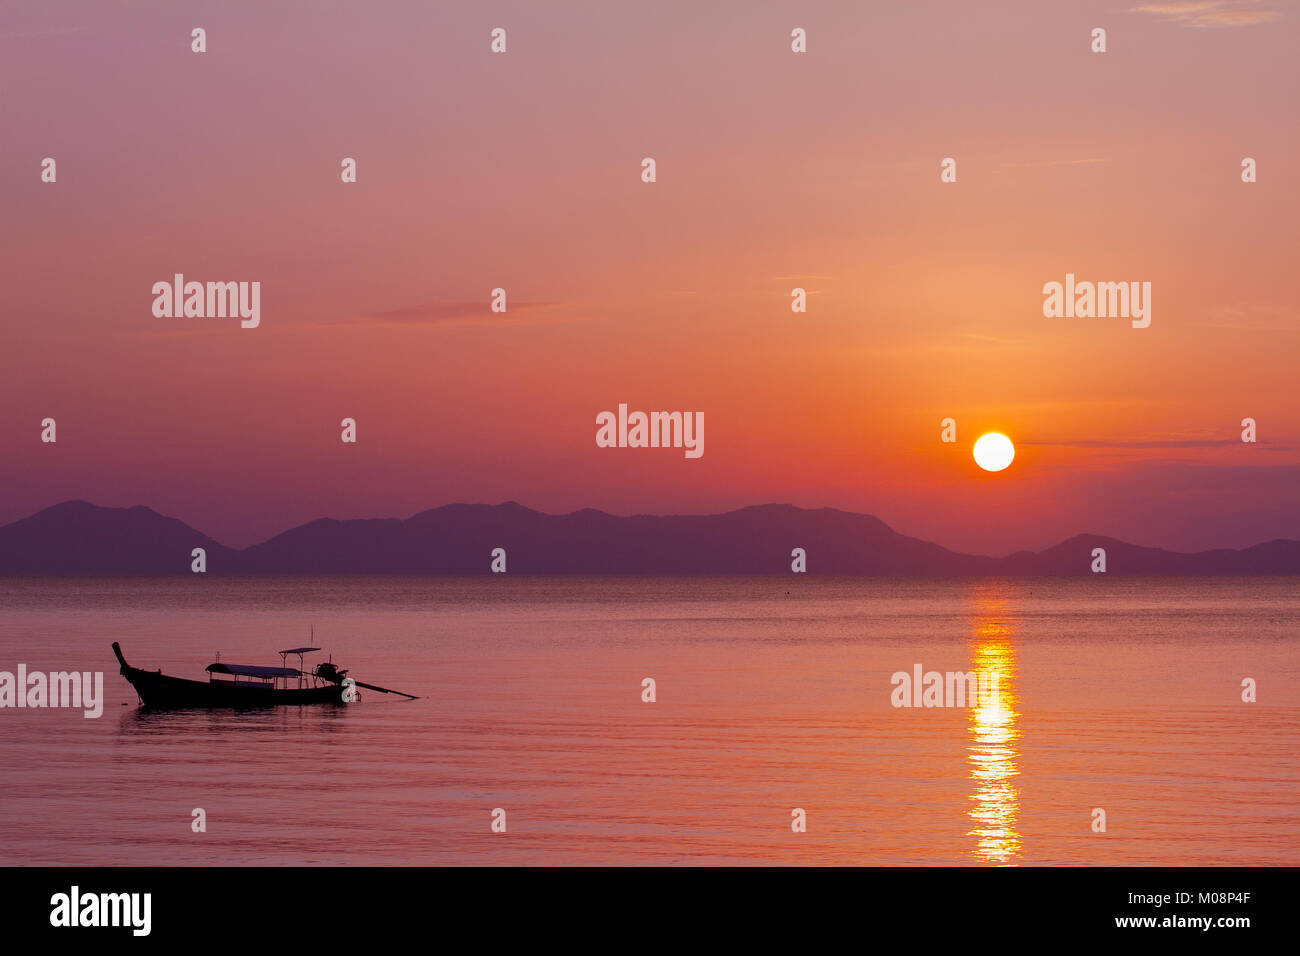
[993, 734]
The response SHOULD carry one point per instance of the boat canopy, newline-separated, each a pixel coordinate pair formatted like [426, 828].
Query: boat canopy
[252, 670]
[299, 650]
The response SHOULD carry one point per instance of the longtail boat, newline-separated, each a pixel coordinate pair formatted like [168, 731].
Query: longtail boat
[248, 685]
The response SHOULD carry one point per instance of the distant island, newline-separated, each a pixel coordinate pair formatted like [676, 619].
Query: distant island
[78, 538]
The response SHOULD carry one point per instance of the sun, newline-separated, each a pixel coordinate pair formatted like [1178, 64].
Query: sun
[994, 451]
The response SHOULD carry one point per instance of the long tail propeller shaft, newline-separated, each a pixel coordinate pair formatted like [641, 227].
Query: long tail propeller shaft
[384, 690]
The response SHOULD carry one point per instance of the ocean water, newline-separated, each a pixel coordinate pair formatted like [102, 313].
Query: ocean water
[771, 694]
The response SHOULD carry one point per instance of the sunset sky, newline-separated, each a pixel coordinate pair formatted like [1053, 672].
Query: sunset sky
[775, 170]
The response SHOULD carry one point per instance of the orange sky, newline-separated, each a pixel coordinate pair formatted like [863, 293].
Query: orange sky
[775, 170]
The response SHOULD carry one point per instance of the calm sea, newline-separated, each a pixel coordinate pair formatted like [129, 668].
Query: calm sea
[772, 694]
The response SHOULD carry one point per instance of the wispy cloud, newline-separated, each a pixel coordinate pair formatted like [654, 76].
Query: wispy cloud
[477, 313]
[1058, 162]
[427, 315]
[1158, 443]
[1152, 443]
[989, 339]
[36, 34]
[1258, 317]
[1210, 14]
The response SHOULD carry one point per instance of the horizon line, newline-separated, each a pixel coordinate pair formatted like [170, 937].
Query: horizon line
[608, 514]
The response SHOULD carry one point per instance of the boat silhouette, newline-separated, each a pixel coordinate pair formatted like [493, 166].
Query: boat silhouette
[248, 685]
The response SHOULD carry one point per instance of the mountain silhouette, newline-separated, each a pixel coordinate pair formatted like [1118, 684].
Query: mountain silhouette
[77, 537]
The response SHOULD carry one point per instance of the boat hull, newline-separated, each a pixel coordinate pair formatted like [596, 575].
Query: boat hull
[158, 690]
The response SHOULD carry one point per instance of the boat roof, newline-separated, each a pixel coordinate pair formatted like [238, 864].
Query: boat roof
[252, 670]
[299, 650]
